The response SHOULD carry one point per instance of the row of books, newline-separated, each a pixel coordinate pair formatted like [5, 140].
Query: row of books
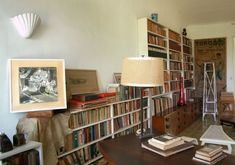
[175, 85]
[125, 107]
[188, 83]
[175, 65]
[188, 66]
[155, 28]
[30, 157]
[175, 98]
[187, 50]
[187, 41]
[174, 46]
[157, 52]
[81, 156]
[166, 145]
[190, 94]
[155, 40]
[167, 87]
[86, 135]
[175, 56]
[126, 92]
[209, 154]
[188, 75]
[174, 36]
[188, 58]
[89, 116]
[127, 120]
[161, 104]
[175, 75]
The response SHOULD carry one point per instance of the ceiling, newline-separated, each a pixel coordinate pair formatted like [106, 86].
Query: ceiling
[205, 11]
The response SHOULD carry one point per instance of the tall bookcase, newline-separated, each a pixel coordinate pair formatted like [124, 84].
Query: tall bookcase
[156, 40]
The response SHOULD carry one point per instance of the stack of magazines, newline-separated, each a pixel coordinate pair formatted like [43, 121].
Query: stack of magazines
[166, 145]
[209, 154]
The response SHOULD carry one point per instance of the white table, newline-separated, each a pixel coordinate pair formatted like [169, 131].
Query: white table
[216, 135]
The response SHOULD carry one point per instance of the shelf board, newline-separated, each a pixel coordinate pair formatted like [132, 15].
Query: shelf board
[26, 147]
[175, 60]
[187, 46]
[156, 34]
[173, 50]
[93, 160]
[187, 54]
[170, 39]
[157, 46]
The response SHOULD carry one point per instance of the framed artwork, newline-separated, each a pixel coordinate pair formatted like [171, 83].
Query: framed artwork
[37, 84]
[80, 81]
[117, 78]
[210, 50]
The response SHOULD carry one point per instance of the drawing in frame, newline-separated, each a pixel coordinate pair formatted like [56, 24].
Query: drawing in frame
[117, 78]
[37, 85]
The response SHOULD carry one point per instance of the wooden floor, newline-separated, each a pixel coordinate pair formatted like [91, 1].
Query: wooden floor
[198, 127]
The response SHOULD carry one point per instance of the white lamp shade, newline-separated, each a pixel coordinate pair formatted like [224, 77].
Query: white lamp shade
[26, 23]
[142, 72]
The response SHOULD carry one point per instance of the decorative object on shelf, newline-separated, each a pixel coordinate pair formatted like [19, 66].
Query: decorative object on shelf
[154, 17]
[184, 33]
[5, 143]
[26, 23]
[18, 139]
[143, 72]
[37, 84]
[181, 100]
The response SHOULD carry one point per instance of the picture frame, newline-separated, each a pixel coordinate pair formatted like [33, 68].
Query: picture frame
[117, 78]
[81, 81]
[37, 85]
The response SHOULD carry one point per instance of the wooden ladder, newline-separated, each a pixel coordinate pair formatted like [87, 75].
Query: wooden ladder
[209, 91]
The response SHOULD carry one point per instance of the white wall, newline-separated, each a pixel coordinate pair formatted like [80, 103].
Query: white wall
[88, 34]
[218, 30]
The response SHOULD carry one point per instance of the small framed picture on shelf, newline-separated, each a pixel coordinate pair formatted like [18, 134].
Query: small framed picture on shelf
[37, 84]
[117, 78]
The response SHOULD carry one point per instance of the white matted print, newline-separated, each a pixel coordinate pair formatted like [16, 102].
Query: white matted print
[37, 84]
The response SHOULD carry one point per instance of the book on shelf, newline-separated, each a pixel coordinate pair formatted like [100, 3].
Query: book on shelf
[165, 139]
[221, 157]
[168, 152]
[165, 146]
[209, 150]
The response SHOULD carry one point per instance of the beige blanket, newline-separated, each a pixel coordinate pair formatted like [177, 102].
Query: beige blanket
[50, 131]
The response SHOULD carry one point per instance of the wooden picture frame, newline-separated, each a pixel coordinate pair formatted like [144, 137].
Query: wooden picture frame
[81, 81]
[117, 78]
[37, 85]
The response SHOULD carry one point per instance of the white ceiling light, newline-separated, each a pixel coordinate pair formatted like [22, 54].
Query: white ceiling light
[26, 23]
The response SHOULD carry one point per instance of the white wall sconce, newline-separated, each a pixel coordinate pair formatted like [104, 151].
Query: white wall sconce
[26, 23]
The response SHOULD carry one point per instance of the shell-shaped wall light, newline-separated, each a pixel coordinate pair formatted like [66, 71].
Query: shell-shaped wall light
[26, 23]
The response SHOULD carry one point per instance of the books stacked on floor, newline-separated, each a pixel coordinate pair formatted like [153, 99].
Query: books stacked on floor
[209, 154]
[166, 145]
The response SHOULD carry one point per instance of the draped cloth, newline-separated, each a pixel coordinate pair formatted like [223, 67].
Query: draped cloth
[51, 132]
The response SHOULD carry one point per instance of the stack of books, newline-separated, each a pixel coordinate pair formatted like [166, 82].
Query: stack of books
[166, 145]
[209, 154]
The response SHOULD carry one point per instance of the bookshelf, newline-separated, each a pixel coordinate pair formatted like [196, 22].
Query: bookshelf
[24, 148]
[91, 125]
[176, 51]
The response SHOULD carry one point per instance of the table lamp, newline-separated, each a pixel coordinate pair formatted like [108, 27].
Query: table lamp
[143, 72]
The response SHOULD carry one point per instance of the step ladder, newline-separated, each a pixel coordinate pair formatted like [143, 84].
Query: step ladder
[209, 91]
